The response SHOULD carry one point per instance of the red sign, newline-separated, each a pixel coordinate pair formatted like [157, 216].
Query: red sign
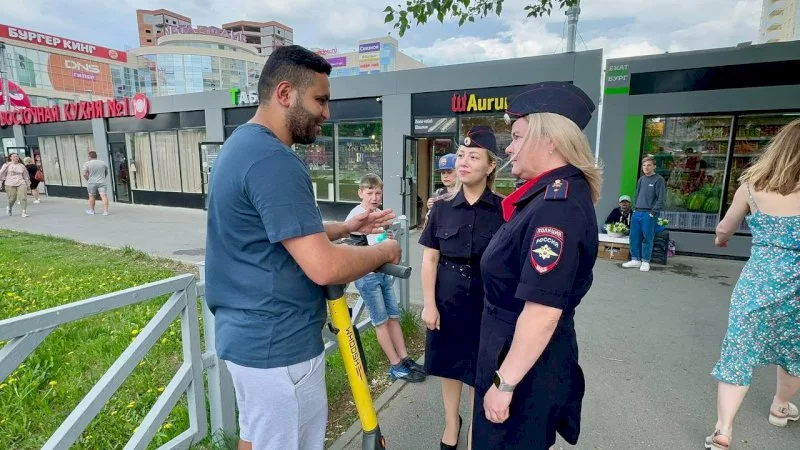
[34, 37]
[138, 106]
[17, 97]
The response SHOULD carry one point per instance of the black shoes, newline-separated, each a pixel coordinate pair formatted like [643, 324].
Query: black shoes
[444, 446]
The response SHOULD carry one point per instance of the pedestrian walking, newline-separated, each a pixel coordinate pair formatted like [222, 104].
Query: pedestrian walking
[34, 174]
[537, 268]
[95, 173]
[14, 176]
[764, 318]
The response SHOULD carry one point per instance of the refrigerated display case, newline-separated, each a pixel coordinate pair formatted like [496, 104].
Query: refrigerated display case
[700, 167]
[691, 154]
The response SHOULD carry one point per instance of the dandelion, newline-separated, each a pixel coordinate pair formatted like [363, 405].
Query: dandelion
[167, 426]
[134, 332]
[150, 391]
[161, 389]
[53, 382]
[131, 404]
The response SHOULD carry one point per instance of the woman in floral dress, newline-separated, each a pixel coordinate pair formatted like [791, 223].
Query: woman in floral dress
[764, 323]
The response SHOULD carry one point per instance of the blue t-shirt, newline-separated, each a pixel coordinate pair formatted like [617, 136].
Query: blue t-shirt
[268, 312]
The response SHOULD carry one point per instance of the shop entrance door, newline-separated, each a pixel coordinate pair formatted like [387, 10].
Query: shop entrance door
[208, 154]
[409, 186]
[117, 156]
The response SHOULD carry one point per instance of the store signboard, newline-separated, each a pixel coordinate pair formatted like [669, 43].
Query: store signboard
[73, 74]
[17, 97]
[618, 79]
[470, 102]
[340, 61]
[240, 97]
[208, 31]
[33, 37]
[434, 125]
[138, 106]
[326, 51]
[369, 62]
[369, 47]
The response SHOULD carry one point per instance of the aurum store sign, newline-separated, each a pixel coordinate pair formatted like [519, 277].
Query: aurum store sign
[138, 106]
[466, 102]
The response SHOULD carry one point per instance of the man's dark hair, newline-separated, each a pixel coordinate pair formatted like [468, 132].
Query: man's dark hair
[291, 63]
[93, 154]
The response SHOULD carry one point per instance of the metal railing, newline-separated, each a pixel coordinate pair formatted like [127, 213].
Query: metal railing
[25, 333]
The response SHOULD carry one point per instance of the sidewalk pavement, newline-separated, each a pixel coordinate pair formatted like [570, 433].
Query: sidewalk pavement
[648, 340]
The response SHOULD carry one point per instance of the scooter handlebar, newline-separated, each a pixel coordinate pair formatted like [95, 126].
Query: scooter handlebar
[395, 270]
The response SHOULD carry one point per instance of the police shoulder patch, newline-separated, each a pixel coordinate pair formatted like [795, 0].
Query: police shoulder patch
[546, 247]
[557, 190]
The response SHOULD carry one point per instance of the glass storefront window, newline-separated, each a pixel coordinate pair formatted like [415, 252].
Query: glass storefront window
[504, 182]
[141, 161]
[320, 162]
[48, 152]
[691, 154]
[189, 142]
[360, 150]
[753, 133]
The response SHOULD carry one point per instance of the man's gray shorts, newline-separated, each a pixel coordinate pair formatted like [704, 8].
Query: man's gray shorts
[283, 408]
[96, 188]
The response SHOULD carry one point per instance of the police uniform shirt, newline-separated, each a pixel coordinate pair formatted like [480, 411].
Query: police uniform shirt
[460, 230]
[545, 253]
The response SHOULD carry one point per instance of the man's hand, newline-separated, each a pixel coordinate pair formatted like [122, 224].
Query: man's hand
[370, 222]
[496, 405]
[431, 201]
[391, 249]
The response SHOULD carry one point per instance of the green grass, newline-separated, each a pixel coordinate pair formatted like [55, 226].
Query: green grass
[40, 272]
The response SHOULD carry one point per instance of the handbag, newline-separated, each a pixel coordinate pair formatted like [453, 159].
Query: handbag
[39, 175]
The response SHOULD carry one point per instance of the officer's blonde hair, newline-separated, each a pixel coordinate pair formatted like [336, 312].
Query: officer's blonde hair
[570, 142]
[489, 179]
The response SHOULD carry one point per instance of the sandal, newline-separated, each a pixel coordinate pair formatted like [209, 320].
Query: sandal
[784, 414]
[711, 443]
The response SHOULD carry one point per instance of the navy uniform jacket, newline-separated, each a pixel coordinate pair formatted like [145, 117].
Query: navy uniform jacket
[546, 252]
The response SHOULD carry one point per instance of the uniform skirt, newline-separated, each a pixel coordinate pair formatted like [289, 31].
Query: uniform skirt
[452, 350]
[547, 400]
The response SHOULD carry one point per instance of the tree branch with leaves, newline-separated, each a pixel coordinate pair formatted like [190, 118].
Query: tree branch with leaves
[463, 10]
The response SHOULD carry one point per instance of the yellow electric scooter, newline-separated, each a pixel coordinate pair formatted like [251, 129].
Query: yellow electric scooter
[341, 325]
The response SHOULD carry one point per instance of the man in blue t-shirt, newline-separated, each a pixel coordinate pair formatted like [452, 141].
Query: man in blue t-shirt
[268, 254]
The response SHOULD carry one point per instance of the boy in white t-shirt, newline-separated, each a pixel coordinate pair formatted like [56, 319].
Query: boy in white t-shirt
[377, 291]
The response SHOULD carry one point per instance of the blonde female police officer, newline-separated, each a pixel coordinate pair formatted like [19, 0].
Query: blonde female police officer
[456, 235]
[536, 270]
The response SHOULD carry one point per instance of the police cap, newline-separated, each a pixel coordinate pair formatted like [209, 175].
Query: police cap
[446, 162]
[556, 97]
[481, 136]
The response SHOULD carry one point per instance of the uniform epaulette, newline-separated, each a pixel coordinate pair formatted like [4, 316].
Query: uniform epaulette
[557, 190]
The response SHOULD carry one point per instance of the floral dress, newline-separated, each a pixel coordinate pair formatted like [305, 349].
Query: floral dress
[764, 323]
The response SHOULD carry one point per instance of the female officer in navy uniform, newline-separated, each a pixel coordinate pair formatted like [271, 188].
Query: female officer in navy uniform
[458, 230]
[536, 270]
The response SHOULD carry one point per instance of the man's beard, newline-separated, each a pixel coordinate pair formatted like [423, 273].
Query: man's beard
[302, 124]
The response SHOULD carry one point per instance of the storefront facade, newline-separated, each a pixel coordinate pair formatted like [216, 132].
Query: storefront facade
[704, 116]
[382, 123]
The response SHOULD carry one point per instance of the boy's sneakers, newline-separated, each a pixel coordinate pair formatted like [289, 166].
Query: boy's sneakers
[402, 371]
[411, 364]
[632, 263]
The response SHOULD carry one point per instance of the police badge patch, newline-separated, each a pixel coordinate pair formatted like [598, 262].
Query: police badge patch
[546, 247]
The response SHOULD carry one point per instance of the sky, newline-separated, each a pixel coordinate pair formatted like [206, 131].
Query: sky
[620, 27]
